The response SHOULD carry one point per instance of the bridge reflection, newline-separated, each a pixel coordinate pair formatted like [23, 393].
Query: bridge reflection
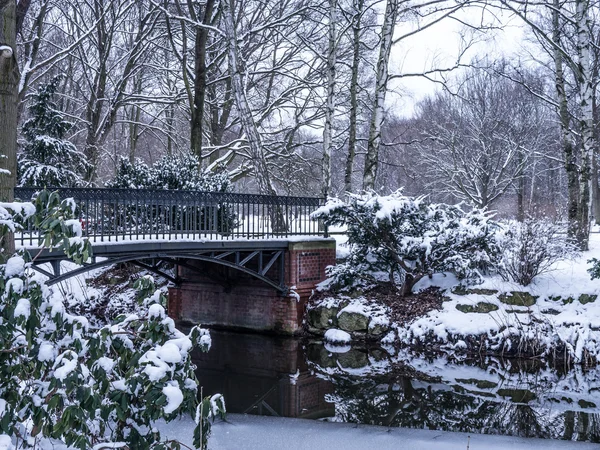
[261, 375]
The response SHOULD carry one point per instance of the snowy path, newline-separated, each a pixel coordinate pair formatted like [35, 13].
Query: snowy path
[244, 432]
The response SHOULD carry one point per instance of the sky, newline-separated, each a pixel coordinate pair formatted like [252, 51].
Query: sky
[439, 46]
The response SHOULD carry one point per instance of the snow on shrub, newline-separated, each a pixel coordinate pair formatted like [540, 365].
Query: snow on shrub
[170, 172]
[409, 238]
[47, 158]
[530, 248]
[89, 387]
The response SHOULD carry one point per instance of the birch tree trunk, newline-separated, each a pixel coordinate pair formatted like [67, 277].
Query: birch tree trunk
[358, 6]
[586, 120]
[372, 157]
[247, 123]
[330, 104]
[566, 139]
[9, 82]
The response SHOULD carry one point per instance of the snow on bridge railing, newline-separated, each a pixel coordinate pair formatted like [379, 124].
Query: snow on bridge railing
[142, 214]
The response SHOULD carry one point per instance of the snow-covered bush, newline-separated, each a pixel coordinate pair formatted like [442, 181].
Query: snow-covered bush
[170, 172]
[530, 248]
[174, 173]
[90, 388]
[48, 159]
[410, 238]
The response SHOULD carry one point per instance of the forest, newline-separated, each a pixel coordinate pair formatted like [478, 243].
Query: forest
[300, 97]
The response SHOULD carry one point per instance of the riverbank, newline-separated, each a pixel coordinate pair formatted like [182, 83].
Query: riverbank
[246, 432]
[557, 317]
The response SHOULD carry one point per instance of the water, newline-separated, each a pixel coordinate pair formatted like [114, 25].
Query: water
[370, 385]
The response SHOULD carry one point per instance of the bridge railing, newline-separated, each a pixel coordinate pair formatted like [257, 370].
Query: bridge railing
[139, 214]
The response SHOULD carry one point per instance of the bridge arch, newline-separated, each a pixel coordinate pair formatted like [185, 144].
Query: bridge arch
[267, 265]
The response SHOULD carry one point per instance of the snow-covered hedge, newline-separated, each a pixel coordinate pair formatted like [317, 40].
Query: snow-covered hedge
[170, 172]
[409, 238]
[88, 388]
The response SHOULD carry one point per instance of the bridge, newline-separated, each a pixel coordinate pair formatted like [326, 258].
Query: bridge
[217, 249]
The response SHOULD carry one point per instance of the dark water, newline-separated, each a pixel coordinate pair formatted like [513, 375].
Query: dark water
[295, 378]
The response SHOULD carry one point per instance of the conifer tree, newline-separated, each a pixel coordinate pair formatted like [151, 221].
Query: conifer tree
[47, 158]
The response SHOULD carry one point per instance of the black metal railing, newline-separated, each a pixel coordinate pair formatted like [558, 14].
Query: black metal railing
[140, 214]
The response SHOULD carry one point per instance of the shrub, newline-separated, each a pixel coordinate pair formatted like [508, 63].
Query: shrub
[88, 387]
[530, 248]
[410, 238]
[170, 172]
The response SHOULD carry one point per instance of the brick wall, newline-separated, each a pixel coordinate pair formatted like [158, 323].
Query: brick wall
[227, 297]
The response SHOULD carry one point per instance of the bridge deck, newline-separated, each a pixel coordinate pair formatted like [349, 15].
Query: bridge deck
[162, 247]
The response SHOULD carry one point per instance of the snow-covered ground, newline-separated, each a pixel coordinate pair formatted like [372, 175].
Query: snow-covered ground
[561, 312]
[245, 432]
[566, 311]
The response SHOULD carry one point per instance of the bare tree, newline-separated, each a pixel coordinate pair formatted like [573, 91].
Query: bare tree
[563, 30]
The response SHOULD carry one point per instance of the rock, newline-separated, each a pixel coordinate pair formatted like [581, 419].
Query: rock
[354, 359]
[481, 384]
[551, 311]
[517, 395]
[378, 327]
[319, 355]
[585, 404]
[516, 311]
[481, 308]
[482, 291]
[463, 290]
[460, 290]
[518, 298]
[587, 298]
[352, 321]
[323, 317]
[317, 331]
[485, 384]
[337, 336]
[378, 354]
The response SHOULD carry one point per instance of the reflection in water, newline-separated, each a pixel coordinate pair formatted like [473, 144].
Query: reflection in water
[286, 377]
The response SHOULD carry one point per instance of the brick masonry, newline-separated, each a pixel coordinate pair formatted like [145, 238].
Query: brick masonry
[240, 301]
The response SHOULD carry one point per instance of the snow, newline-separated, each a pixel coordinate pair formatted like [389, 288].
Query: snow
[15, 285]
[15, 266]
[574, 324]
[174, 398]
[156, 310]
[23, 308]
[67, 367]
[169, 352]
[47, 352]
[5, 442]
[107, 364]
[336, 336]
[250, 432]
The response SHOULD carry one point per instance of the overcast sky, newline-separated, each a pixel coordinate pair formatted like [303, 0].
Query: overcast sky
[439, 46]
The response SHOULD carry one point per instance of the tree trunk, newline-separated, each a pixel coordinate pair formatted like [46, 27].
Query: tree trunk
[330, 104]
[200, 80]
[566, 140]
[356, 24]
[387, 33]
[9, 85]
[248, 125]
[586, 122]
